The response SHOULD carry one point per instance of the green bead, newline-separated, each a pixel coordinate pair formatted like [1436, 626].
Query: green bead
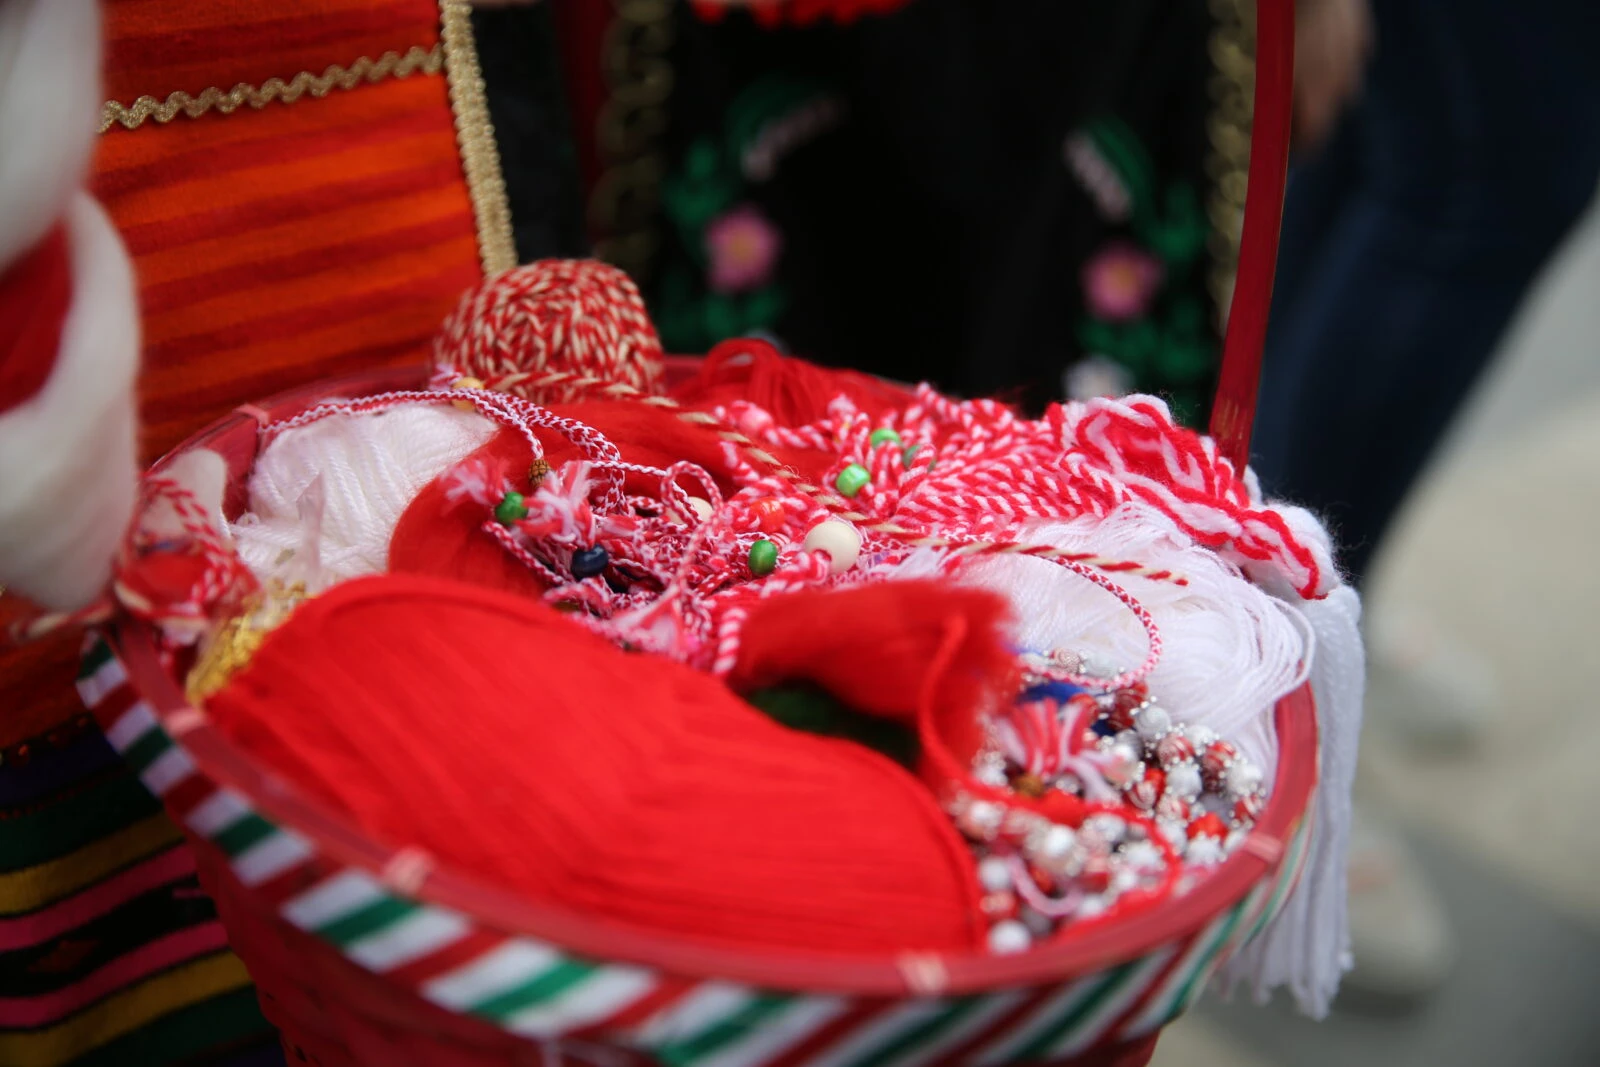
[763, 557]
[909, 456]
[510, 509]
[852, 479]
[883, 437]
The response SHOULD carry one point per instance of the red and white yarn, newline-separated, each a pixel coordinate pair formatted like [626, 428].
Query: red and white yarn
[554, 314]
[216, 576]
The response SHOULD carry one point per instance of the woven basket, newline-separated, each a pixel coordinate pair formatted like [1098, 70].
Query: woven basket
[368, 958]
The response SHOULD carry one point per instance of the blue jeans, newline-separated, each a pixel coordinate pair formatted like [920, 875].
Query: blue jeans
[1410, 239]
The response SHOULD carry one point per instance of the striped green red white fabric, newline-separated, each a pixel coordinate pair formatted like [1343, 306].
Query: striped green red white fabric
[538, 990]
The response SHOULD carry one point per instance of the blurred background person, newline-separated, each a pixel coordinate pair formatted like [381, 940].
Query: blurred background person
[1444, 150]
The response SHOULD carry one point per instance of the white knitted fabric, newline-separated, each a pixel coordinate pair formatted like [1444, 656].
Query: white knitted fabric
[371, 467]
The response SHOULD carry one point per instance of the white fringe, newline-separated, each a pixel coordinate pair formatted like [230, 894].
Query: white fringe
[1307, 947]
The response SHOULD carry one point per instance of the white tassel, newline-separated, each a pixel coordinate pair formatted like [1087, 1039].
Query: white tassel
[340, 485]
[1307, 947]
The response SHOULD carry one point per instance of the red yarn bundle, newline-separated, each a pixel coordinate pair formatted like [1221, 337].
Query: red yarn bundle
[875, 647]
[792, 391]
[510, 742]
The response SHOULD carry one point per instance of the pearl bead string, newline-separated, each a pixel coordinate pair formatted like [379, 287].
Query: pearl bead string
[1165, 804]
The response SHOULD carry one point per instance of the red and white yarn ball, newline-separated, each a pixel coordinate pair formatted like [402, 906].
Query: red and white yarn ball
[533, 329]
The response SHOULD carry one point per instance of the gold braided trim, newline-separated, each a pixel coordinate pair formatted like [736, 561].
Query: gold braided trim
[1232, 91]
[389, 65]
[230, 647]
[480, 156]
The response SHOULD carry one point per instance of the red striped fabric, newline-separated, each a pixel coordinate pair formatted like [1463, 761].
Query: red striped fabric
[289, 243]
[149, 959]
[74, 911]
[154, 47]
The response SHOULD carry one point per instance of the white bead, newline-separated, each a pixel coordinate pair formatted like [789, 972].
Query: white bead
[1176, 833]
[1204, 850]
[839, 540]
[1009, 937]
[994, 874]
[1124, 880]
[991, 774]
[1090, 907]
[1130, 740]
[981, 819]
[1183, 780]
[1106, 826]
[1057, 843]
[1122, 766]
[1202, 736]
[1093, 666]
[1142, 856]
[701, 508]
[1244, 778]
[1152, 722]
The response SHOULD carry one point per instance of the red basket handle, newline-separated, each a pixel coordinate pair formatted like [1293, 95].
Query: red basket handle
[1233, 412]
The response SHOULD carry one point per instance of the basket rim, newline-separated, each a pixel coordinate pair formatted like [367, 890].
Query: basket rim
[1093, 947]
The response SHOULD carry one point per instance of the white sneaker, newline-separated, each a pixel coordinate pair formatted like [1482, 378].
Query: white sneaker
[1401, 940]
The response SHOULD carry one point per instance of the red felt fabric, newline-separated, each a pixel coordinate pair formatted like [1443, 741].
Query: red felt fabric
[876, 646]
[509, 741]
[433, 537]
[35, 293]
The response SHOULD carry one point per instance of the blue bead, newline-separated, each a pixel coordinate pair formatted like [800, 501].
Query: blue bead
[1103, 727]
[588, 562]
[1060, 692]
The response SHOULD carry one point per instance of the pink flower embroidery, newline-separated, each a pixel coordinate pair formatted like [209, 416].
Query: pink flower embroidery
[1120, 281]
[743, 245]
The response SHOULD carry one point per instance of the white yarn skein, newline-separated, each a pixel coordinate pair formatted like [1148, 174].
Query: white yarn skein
[371, 466]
